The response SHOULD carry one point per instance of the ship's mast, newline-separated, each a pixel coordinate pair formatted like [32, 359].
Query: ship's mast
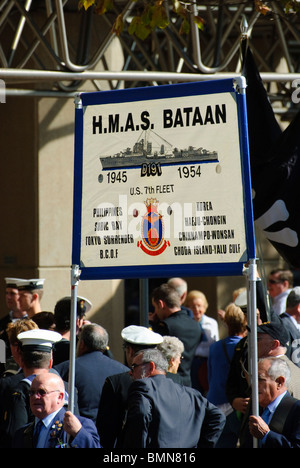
[145, 134]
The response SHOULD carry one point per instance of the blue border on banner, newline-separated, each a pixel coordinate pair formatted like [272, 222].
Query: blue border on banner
[157, 92]
[150, 93]
[157, 271]
[77, 185]
[246, 173]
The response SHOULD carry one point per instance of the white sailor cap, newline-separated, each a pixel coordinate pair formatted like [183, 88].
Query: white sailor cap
[241, 300]
[139, 335]
[84, 303]
[30, 284]
[12, 282]
[38, 339]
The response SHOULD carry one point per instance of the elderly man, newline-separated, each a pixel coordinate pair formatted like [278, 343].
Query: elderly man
[279, 424]
[273, 341]
[92, 367]
[53, 424]
[113, 401]
[34, 357]
[164, 414]
[181, 287]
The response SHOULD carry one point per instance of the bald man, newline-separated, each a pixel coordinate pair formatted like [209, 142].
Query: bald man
[54, 427]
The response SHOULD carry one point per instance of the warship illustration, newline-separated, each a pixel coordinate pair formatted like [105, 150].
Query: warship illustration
[144, 151]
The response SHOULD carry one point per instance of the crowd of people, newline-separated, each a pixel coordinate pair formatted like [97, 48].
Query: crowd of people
[180, 385]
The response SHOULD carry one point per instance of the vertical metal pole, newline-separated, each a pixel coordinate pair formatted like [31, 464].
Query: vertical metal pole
[144, 302]
[252, 278]
[73, 328]
[249, 323]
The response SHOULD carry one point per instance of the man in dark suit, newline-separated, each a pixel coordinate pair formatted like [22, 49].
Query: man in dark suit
[163, 414]
[34, 357]
[173, 321]
[53, 424]
[181, 287]
[279, 424]
[91, 368]
[113, 401]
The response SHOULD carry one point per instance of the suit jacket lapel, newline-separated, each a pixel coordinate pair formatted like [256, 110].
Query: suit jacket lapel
[281, 413]
[28, 436]
[56, 436]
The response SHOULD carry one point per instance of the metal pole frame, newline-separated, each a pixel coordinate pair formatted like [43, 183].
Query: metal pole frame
[14, 76]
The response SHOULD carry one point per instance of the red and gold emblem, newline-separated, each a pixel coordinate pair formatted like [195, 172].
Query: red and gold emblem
[152, 230]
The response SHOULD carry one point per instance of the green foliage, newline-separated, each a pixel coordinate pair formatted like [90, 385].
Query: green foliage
[290, 6]
[152, 14]
[85, 4]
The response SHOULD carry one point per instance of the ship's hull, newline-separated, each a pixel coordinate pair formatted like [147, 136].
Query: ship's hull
[113, 162]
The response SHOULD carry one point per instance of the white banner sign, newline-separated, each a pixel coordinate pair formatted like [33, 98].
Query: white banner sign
[162, 182]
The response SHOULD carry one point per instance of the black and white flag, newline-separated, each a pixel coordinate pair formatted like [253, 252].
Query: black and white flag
[275, 169]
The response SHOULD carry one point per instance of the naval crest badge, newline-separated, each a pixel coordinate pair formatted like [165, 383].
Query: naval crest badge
[152, 230]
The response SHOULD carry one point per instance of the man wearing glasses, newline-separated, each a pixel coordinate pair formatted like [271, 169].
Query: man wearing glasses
[54, 427]
[164, 414]
[279, 424]
[34, 358]
[113, 401]
[280, 284]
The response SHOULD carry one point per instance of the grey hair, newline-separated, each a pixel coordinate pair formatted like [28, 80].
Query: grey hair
[278, 368]
[94, 337]
[155, 356]
[293, 298]
[179, 284]
[171, 347]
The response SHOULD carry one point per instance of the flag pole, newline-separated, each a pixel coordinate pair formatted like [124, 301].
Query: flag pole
[75, 274]
[252, 342]
[251, 272]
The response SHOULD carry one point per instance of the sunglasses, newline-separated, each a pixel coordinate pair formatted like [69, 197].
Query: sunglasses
[271, 281]
[134, 366]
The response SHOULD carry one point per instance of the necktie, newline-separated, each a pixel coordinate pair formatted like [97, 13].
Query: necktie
[36, 432]
[266, 415]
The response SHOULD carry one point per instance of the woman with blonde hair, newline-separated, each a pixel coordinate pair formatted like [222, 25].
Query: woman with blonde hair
[13, 362]
[197, 302]
[219, 360]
